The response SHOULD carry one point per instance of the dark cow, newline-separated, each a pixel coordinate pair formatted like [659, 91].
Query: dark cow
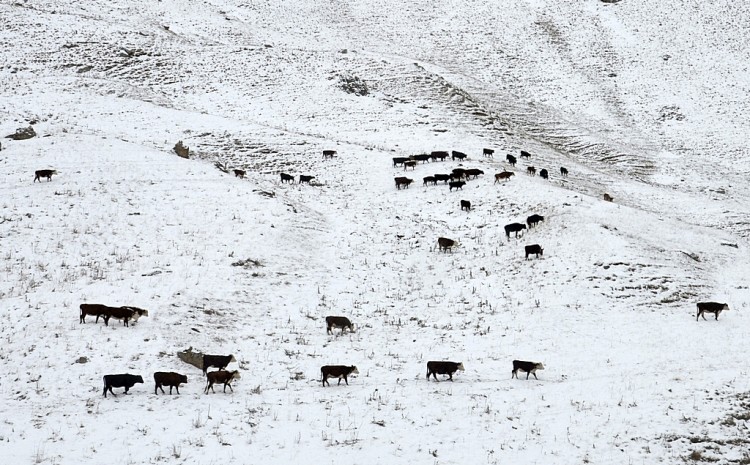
[514, 228]
[488, 152]
[465, 205]
[443, 368]
[608, 197]
[287, 178]
[511, 159]
[97, 310]
[220, 377]
[532, 220]
[528, 367]
[305, 178]
[563, 171]
[457, 155]
[240, 173]
[410, 164]
[710, 307]
[535, 249]
[503, 175]
[117, 381]
[458, 173]
[531, 171]
[443, 177]
[525, 154]
[473, 172]
[39, 174]
[399, 161]
[544, 174]
[424, 157]
[457, 185]
[171, 379]
[429, 180]
[329, 153]
[218, 361]
[338, 322]
[445, 244]
[401, 181]
[439, 155]
[337, 371]
[126, 314]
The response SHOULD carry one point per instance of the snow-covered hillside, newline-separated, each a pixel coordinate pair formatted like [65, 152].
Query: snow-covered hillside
[643, 101]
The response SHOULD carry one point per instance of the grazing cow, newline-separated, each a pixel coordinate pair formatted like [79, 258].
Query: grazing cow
[410, 164]
[443, 368]
[503, 175]
[399, 161]
[220, 377]
[171, 379]
[531, 171]
[465, 205]
[608, 197]
[457, 155]
[424, 157]
[125, 314]
[305, 178]
[338, 322]
[39, 174]
[239, 173]
[287, 178]
[218, 361]
[457, 185]
[442, 177]
[535, 249]
[528, 367]
[401, 181]
[511, 159]
[532, 220]
[488, 152]
[337, 371]
[445, 244]
[544, 174]
[514, 227]
[473, 172]
[117, 381]
[710, 307]
[329, 153]
[525, 154]
[439, 155]
[429, 180]
[563, 171]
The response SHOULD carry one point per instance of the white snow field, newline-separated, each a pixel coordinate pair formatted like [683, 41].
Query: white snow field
[644, 101]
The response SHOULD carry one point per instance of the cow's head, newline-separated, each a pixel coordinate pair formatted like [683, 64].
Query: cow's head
[539, 366]
[139, 379]
[460, 366]
[354, 371]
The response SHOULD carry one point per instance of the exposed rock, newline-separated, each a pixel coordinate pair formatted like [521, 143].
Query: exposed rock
[193, 358]
[22, 134]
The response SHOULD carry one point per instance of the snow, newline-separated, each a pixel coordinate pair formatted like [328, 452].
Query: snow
[643, 101]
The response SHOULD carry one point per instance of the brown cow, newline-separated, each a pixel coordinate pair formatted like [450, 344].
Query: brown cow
[171, 379]
[221, 376]
[337, 371]
[503, 175]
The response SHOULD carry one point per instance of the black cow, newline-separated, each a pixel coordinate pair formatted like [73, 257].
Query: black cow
[563, 171]
[473, 172]
[410, 164]
[337, 371]
[338, 322]
[240, 173]
[218, 361]
[528, 367]
[97, 310]
[424, 157]
[535, 249]
[117, 381]
[525, 154]
[39, 174]
[399, 161]
[442, 177]
[171, 379]
[710, 307]
[220, 377]
[402, 181]
[458, 173]
[532, 220]
[544, 174]
[457, 185]
[488, 152]
[438, 155]
[429, 180]
[465, 205]
[445, 244]
[511, 159]
[287, 178]
[457, 155]
[329, 153]
[514, 227]
[126, 314]
[305, 178]
[531, 171]
[607, 197]
[443, 368]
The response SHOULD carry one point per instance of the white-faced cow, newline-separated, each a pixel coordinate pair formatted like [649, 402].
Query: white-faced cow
[117, 381]
[710, 307]
[514, 228]
[338, 322]
[337, 371]
[171, 379]
[528, 367]
[535, 249]
[443, 368]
